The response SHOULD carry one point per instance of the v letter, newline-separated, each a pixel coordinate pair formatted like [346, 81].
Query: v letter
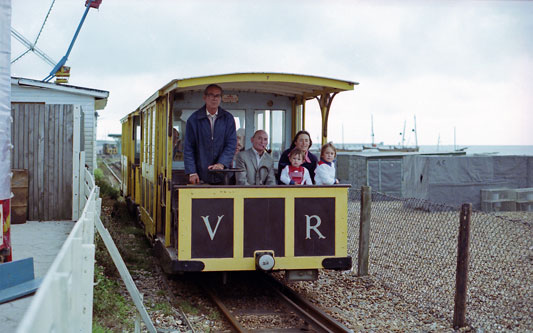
[208, 225]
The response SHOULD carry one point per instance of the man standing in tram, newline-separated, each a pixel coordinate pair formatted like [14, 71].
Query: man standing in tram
[210, 139]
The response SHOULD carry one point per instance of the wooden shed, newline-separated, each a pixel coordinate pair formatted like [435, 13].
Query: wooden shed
[53, 137]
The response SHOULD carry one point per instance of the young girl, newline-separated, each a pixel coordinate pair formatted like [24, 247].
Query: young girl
[295, 173]
[325, 171]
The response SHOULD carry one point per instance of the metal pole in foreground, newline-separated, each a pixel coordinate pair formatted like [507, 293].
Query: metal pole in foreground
[364, 230]
[463, 256]
[5, 130]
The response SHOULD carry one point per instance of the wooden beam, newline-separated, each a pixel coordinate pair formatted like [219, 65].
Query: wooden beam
[463, 256]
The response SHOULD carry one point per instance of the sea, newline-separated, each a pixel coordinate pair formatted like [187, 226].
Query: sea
[470, 150]
[483, 150]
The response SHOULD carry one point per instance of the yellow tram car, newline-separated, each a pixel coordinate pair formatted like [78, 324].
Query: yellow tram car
[298, 229]
[109, 149]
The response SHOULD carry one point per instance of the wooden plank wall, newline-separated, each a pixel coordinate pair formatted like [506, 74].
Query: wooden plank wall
[42, 137]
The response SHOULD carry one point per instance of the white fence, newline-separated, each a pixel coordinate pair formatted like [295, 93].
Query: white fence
[64, 301]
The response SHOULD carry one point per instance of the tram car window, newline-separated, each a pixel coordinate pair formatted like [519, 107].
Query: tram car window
[272, 122]
[233, 228]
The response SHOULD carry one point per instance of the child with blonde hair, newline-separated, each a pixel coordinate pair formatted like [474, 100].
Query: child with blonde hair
[325, 170]
[295, 173]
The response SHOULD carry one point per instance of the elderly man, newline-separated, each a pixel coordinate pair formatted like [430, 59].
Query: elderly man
[210, 139]
[258, 164]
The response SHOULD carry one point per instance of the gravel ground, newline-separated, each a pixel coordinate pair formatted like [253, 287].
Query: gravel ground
[412, 266]
[366, 305]
[376, 303]
[407, 289]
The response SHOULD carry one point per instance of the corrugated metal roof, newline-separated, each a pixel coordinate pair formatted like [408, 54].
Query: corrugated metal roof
[98, 94]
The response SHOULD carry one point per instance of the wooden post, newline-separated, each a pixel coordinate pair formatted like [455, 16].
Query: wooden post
[364, 230]
[463, 254]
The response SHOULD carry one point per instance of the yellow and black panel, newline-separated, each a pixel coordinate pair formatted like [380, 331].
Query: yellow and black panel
[212, 231]
[221, 228]
[264, 226]
[314, 226]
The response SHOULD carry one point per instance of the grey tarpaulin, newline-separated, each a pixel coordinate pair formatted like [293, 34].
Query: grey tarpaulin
[455, 180]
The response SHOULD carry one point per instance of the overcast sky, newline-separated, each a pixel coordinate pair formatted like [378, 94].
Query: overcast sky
[462, 64]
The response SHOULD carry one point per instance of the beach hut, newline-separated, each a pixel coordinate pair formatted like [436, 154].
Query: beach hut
[53, 137]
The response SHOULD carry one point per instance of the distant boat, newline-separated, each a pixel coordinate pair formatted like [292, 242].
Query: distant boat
[455, 144]
[397, 149]
[391, 148]
[349, 150]
[373, 145]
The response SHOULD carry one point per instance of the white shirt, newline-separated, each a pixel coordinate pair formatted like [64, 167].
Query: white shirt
[325, 174]
[257, 156]
[212, 118]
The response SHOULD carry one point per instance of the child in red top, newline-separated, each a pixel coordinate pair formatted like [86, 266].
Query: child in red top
[296, 174]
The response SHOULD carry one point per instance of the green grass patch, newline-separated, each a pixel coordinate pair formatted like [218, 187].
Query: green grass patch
[165, 308]
[106, 189]
[99, 329]
[110, 309]
[214, 315]
[187, 307]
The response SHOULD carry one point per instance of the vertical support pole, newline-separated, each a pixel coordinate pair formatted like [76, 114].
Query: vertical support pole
[303, 115]
[76, 146]
[364, 230]
[81, 179]
[463, 255]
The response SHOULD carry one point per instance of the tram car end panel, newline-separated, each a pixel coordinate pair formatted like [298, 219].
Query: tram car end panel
[294, 228]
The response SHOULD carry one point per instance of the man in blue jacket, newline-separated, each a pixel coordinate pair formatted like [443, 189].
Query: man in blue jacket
[210, 139]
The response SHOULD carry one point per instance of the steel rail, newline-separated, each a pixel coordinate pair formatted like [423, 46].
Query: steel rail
[112, 172]
[315, 319]
[225, 311]
[310, 312]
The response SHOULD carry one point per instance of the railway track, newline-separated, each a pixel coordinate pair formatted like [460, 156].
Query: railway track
[115, 171]
[260, 303]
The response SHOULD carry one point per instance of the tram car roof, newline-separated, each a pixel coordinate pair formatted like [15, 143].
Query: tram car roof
[285, 84]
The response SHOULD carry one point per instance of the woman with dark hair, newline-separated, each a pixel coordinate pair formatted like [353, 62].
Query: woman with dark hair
[302, 141]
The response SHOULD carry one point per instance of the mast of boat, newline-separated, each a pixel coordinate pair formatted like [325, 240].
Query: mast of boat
[454, 143]
[372, 128]
[416, 136]
[343, 136]
[403, 133]
[438, 142]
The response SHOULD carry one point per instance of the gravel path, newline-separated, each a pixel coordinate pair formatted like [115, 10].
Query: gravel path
[412, 277]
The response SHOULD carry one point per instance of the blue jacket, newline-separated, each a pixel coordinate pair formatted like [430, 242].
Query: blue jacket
[201, 150]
